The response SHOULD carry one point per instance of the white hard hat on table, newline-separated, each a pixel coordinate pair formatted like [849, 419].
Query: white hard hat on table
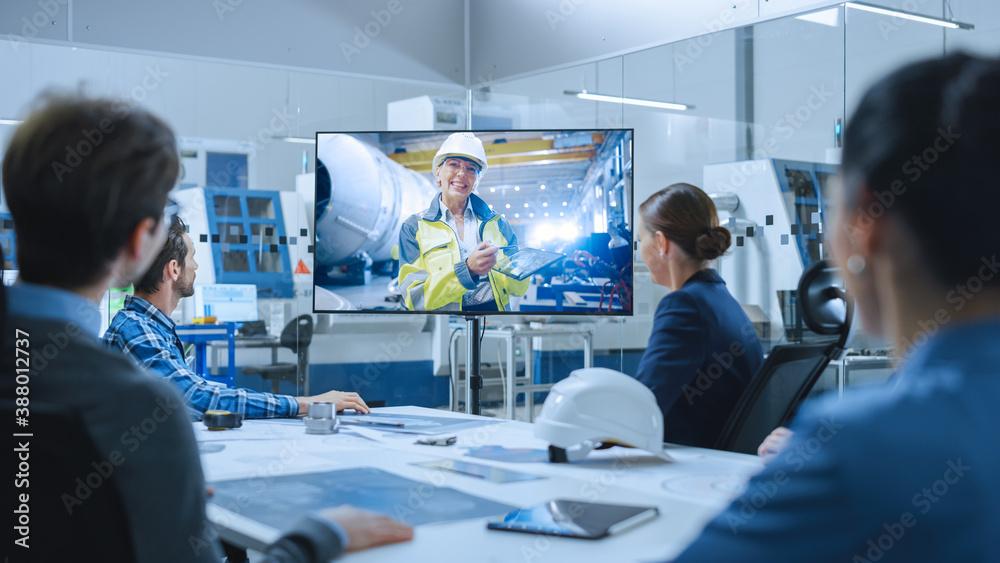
[598, 405]
[462, 145]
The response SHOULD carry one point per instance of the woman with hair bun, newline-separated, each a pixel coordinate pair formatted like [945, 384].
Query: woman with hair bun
[703, 349]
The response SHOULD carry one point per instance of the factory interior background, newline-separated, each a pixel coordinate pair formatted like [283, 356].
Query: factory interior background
[762, 99]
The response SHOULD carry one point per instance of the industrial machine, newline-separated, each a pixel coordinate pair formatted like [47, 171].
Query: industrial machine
[362, 199]
[217, 163]
[254, 237]
[776, 211]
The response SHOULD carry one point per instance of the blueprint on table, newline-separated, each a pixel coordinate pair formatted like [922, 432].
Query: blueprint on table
[414, 424]
[280, 501]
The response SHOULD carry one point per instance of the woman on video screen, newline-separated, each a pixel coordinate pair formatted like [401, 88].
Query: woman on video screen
[447, 251]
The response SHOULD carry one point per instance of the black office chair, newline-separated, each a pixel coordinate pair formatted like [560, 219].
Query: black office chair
[296, 336]
[784, 380]
[252, 328]
[62, 455]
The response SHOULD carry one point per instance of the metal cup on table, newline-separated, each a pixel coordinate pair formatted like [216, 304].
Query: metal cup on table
[322, 418]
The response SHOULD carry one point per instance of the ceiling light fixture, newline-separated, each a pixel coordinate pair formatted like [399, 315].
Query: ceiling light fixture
[629, 101]
[908, 15]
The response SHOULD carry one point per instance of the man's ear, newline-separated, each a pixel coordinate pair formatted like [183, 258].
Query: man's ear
[173, 270]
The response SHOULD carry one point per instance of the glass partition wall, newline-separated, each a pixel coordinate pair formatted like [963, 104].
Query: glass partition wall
[760, 127]
[765, 107]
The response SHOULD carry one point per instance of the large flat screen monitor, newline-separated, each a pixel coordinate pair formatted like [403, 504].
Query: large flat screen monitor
[226, 302]
[474, 222]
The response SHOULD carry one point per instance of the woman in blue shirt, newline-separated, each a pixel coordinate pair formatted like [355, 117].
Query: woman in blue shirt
[703, 349]
[909, 472]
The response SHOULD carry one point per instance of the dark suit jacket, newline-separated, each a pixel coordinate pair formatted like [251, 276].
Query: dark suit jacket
[140, 422]
[132, 418]
[701, 354]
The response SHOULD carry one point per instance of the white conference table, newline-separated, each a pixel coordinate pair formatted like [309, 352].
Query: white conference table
[687, 492]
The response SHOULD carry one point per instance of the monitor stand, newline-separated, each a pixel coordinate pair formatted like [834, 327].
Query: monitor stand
[473, 375]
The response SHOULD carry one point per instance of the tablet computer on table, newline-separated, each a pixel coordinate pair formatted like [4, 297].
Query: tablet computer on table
[525, 262]
[574, 519]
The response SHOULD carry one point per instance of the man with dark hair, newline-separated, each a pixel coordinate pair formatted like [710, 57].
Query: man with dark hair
[144, 331]
[175, 250]
[86, 182]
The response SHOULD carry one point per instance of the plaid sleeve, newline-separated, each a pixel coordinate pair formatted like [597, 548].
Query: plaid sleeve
[150, 346]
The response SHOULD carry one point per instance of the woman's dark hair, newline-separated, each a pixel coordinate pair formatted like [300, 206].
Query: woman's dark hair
[174, 249]
[686, 216]
[79, 175]
[924, 143]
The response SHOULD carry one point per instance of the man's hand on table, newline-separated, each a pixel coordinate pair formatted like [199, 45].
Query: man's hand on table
[339, 398]
[367, 529]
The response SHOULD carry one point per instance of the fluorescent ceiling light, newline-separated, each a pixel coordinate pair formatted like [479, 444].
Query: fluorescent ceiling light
[908, 15]
[630, 101]
[829, 17]
[10, 121]
[302, 140]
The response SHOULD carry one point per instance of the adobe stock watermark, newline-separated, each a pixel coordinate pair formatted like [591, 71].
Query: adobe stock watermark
[759, 494]
[592, 491]
[783, 130]
[913, 169]
[262, 477]
[279, 123]
[572, 351]
[958, 297]
[599, 485]
[722, 361]
[131, 440]
[887, 25]
[695, 47]
[391, 350]
[418, 495]
[92, 138]
[565, 10]
[223, 7]
[32, 24]
[364, 34]
[922, 502]
[58, 341]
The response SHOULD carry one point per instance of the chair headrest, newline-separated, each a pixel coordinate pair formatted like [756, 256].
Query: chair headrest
[825, 304]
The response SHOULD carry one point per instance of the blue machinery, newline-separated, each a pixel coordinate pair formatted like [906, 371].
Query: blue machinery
[245, 233]
[8, 241]
[806, 185]
[775, 210]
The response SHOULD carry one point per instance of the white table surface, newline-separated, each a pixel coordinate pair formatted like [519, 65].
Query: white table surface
[688, 492]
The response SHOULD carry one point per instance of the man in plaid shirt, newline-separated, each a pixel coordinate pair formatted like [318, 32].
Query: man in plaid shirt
[144, 331]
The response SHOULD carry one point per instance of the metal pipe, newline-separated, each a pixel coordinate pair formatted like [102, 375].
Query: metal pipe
[473, 379]
[725, 201]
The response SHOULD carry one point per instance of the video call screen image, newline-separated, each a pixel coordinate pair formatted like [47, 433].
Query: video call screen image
[484, 222]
